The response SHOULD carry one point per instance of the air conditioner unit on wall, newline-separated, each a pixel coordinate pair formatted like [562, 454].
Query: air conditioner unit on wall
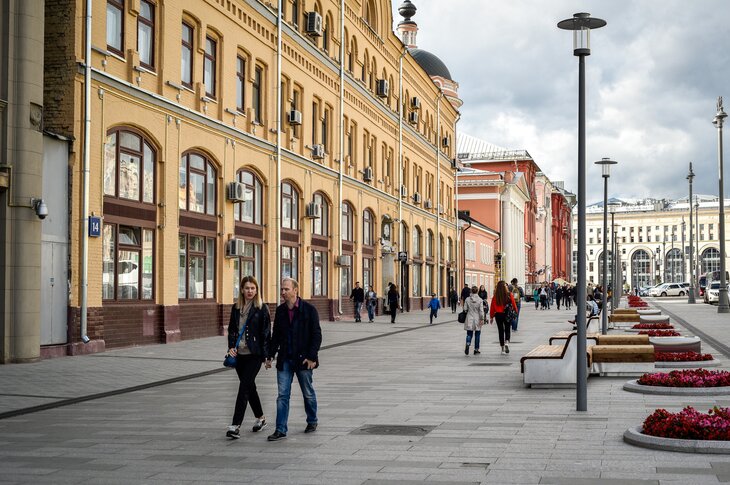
[403, 191]
[415, 103]
[236, 192]
[413, 118]
[312, 211]
[382, 88]
[416, 198]
[367, 174]
[235, 247]
[428, 204]
[445, 142]
[342, 261]
[318, 152]
[295, 117]
[441, 209]
[314, 24]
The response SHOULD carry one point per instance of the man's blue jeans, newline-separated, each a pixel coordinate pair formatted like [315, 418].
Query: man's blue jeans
[284, 379]
[517, 320]
[358, 307]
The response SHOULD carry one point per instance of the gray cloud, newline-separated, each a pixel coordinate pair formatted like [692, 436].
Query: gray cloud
[653, 78]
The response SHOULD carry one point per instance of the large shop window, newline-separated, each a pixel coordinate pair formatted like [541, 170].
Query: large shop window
[128, 263]
[197, 184]
[319, 273]
[367, 272]
[196, 267]
[129, 167]
[346, 276]
[115, 26]
[417, 280]
[250, 209]
[146, 34]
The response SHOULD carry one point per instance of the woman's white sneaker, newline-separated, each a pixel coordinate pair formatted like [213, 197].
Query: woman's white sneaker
[259, 424]
[233, 432]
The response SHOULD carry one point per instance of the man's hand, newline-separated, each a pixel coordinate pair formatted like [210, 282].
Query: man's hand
[267, 364]
[232, 352]
[309, 363]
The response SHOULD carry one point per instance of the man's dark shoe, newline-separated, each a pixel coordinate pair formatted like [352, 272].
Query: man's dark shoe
[311, 428]
[466, 350]
[476, 352]
[276, 436]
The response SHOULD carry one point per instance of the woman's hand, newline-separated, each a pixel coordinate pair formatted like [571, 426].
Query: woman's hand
[267, 364]
[491, 321]
[232, 352]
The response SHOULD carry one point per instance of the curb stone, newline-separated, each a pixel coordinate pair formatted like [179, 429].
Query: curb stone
[634, 386]
[634, 436]
[687, 364]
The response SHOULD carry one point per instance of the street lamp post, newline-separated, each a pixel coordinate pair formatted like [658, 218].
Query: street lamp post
[691, 290]
[581, 25]
[723, 305]
[697, 246]
[614, 294]
[605, 164]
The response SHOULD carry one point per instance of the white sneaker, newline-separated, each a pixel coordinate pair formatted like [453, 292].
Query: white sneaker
[503, 350]
[506, 348]
[259, 424]
[233, 432]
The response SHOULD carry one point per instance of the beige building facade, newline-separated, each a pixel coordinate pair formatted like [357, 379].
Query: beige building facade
[218, 148]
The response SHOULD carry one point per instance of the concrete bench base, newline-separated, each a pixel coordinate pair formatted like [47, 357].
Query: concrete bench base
[676, 344]
[551, 365]
[622, 369]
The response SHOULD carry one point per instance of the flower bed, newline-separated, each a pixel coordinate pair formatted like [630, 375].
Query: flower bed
[654, 326]
[689, 424]
[687, 378]
[638, 304]
[681, 357]
[660, 333]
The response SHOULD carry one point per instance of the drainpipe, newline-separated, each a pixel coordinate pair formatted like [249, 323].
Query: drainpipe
[457, 283]
[342, 143]
[400, 142]
[438, 194]
[86, 175]
[277, 205]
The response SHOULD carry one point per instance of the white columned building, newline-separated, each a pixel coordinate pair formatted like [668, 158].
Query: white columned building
[514, 195]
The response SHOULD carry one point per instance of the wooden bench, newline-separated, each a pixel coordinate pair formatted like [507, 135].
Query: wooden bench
[624, 318]
[622, 311]
[551, 365]
[561, 337]
[618, 339]
[621, 360]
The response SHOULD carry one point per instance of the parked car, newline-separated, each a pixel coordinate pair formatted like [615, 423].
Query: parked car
[645, 290]
[668, 289]
[712, 293]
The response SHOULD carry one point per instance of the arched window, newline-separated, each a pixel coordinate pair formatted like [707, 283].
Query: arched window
[710, 260]
[250, 210]
[352, 55]
[289, 207]
[451, 250]
[673, 266]
[373, 74]
[416, 241]
[326, 32]
[368, 226]
[370, 14]
[320, 225]
[129, 166]
[429, 243]
[403, 236]
[442, 254]
[347, 222]
[640, 269]
[197, 184]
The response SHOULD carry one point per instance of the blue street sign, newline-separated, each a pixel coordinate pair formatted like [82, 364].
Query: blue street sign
[94, 226]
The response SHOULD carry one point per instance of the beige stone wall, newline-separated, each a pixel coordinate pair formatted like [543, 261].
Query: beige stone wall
[176, 119]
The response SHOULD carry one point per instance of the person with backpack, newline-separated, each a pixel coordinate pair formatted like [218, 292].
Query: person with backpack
[500, 310]
[517, 294]
[434, 305]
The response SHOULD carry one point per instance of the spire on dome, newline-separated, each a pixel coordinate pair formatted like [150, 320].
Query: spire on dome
[407, 28]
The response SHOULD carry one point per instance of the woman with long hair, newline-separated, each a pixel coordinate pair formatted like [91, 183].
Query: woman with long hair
[250, 316]
[500, 300]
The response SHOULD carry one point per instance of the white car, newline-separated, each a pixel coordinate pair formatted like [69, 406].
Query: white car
[668, 289]
[712, 292]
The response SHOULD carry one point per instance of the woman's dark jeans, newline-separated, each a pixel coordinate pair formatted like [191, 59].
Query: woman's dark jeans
[247, 368]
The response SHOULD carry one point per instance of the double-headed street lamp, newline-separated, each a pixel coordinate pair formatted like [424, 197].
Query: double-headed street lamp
[723, 305]
[581, 25]
[691, 292]
[605, 164]
[615, 295]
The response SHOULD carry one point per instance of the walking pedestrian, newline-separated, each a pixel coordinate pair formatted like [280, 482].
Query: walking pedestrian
[250, 319]
[558, 295]
[500, 300]
[358, 296]
[536, 297]
[434, 305]
[543, 298]
[295, 342]
[393, 302]
[517, 294]
[371, 301]
[474, 320]
[453, 299]
[465, 293]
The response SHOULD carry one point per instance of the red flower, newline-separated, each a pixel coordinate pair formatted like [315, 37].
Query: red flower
[689, 424]
[687, 378]
[660, 333]
[681, 356]
[654, 326]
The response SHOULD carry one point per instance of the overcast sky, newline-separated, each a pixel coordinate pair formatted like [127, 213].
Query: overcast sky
[653, 78]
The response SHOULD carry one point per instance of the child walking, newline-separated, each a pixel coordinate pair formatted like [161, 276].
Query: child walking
[434, 305]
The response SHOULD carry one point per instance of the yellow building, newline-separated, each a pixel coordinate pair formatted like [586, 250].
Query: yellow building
[218, 148]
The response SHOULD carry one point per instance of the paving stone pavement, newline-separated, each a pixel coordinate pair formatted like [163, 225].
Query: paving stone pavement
[136, 416]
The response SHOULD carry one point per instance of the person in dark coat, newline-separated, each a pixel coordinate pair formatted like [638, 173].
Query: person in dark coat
[295, 342]
[465, 293]
[250, 316]
[393, 302]
[453, 299]
[358, 296]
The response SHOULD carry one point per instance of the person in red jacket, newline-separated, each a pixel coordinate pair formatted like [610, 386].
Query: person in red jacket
[501, 298]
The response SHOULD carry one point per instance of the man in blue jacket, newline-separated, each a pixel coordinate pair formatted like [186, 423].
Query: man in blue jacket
[295, 342]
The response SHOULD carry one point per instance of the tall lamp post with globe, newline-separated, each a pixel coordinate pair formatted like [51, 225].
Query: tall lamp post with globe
[691, 290]
[605, 164]
[581, 25]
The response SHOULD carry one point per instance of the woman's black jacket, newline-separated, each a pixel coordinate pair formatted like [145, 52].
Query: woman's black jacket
[258, 330]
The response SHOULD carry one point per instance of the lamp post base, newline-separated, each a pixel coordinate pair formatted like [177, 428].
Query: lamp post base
[722, 304]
